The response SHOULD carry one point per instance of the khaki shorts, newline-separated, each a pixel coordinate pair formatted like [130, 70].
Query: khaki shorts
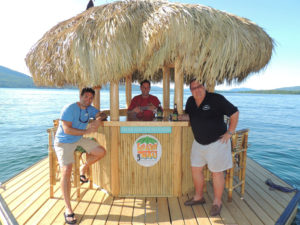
[65, 151]
[216, 155]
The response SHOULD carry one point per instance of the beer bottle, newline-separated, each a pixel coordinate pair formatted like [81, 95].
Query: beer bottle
[175, 113]
[159, 112]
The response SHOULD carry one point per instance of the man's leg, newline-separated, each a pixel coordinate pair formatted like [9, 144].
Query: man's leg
[218, 184]
[92, 157]
[65, 184]
[198, 179]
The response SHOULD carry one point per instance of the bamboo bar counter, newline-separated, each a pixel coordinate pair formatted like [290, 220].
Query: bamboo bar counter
[121, 174]
[144, 158]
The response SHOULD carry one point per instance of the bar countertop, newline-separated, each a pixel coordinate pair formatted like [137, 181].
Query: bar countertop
[155, 123]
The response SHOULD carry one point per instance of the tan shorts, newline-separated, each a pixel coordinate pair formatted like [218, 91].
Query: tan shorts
[216, 155]
[65, 151]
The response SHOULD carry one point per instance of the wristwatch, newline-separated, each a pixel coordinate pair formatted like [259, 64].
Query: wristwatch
[229, 132]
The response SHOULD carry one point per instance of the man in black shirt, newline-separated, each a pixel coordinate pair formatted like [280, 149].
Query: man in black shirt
[212, 144]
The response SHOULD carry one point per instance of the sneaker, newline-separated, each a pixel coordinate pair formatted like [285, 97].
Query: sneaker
[191, 202]
[215, 210]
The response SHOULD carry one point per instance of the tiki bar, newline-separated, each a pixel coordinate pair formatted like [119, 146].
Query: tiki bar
[127, 42]
[145, 176]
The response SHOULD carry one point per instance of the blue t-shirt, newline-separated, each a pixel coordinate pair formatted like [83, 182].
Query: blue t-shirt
[78, 117]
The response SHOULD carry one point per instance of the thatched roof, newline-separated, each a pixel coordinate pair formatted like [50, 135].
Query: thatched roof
[112, 41]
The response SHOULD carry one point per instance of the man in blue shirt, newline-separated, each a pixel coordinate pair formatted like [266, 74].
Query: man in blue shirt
[212, 144]
[72, 126]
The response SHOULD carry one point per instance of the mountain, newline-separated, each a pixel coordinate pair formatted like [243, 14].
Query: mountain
[236, 90]
[286, 90]
[13, 79]
[240, 89]
[295, 88]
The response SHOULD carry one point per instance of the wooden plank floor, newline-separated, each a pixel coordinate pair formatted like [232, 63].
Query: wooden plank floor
[27, 196]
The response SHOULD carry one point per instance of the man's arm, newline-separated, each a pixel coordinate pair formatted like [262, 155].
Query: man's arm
[101, 116]
[135, 110]
[234, 118]
[134, 107]
[68, 129]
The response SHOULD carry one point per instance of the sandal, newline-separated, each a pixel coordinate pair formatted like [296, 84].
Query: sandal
[83, 179]
[74, 221]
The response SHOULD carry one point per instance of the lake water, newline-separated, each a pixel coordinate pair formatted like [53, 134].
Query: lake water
[273, 120]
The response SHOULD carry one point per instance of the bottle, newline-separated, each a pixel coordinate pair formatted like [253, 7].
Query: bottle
[159, 112]
[175, 113]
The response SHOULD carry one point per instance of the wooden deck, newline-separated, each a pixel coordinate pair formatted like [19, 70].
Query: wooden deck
[27, 196]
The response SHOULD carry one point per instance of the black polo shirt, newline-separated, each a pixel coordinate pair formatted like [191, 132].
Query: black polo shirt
[207, 120]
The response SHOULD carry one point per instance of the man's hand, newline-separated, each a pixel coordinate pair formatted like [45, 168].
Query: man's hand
[184, 117]
[225, 137]
[137, 109]
[151, 107]
[101, 116]
[93, 126]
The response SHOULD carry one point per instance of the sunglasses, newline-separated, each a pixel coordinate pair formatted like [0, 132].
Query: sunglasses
[197, 87]
[86, 112]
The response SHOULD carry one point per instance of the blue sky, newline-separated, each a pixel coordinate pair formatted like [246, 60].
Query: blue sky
[23, 23]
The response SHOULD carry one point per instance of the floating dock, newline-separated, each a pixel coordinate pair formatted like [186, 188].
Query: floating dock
[27, 198]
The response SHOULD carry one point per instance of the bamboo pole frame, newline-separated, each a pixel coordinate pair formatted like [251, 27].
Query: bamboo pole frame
[96, 100]
[128, 88]
[178, 90]
[115, 176]
[114, 101]
[177, 137]
[166, 88]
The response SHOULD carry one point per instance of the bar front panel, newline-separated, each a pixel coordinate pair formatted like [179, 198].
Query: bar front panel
[138, 180]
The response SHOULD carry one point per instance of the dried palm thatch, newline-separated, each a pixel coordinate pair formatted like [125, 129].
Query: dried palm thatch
[109, 42]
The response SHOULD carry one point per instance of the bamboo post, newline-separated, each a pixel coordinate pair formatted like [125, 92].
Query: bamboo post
[114, 101]
[128, 84]
[166, 89]
[51, 162]
[77, 155]
[210, 87]
[115, 177]
[178, 90]
[177, 139]
[114, 134]
[245, 146]
[96, 101]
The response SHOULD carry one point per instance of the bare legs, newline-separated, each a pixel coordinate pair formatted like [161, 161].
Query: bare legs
[198, 179]
[65, 183]
[95, 155]
[218, 184]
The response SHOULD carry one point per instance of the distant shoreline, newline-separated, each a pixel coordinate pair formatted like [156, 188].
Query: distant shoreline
[13, 79]
[282, 92]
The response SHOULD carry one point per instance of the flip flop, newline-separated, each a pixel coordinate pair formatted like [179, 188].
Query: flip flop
[83, 179]
[74, 221]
